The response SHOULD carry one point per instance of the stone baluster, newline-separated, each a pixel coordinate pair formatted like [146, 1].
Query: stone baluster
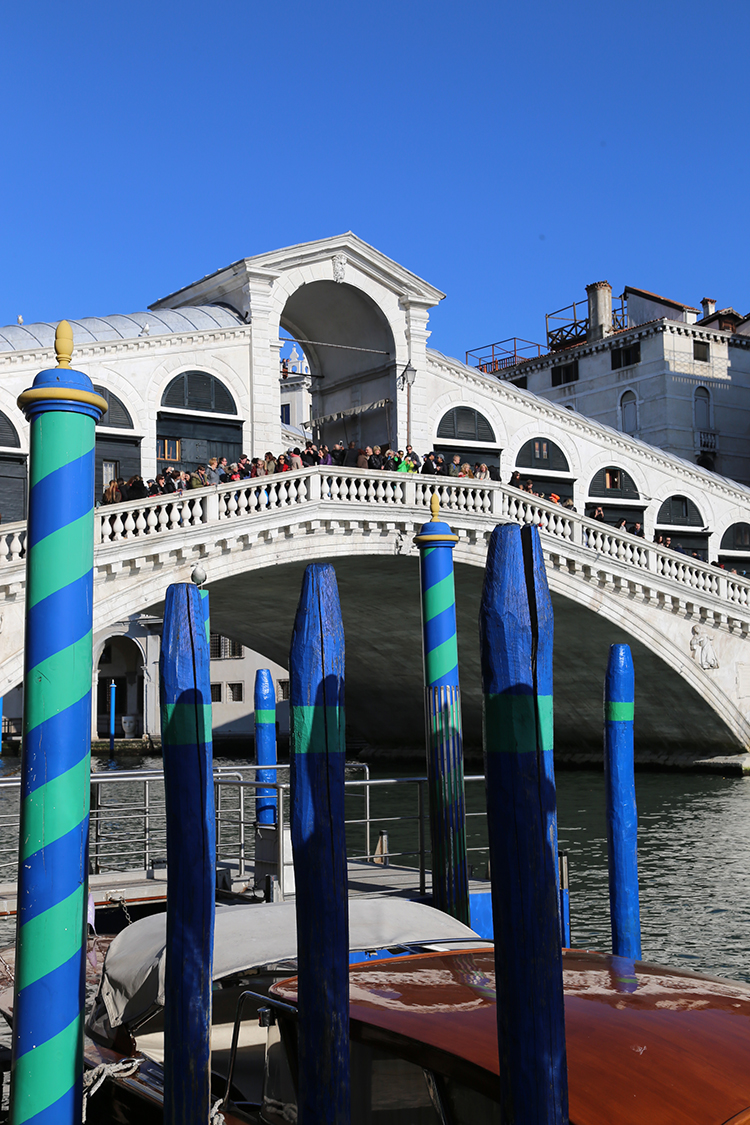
[140, 522]
[16, 546]
[117, 527]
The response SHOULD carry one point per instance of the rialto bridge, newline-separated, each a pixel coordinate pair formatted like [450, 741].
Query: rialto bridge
[202, 372]
[687, 622]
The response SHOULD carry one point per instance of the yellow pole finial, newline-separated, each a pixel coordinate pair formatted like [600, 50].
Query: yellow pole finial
[63, 343]
[435, 507]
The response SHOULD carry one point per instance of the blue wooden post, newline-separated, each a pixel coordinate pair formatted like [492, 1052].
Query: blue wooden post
[564, 900]
[622, 814]
[265, 746]
[317, 757]
[184, 681]
[516, 625]
[444, 739]
[112, 690]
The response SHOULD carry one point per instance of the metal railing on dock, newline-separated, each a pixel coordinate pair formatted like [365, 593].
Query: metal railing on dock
[128, 824]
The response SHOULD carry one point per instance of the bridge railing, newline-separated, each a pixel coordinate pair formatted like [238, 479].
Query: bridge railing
[327, 487]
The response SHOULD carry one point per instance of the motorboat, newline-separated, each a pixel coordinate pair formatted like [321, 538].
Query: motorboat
[645, 1044]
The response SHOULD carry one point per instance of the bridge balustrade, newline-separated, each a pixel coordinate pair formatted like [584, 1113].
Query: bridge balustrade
[334, 489]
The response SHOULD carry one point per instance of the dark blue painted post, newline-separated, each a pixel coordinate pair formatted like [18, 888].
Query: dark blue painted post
[317, 757]
[191, 854]
[265, 746]
[622, 814]
[112, 690]
[516, 626]
[564, 901]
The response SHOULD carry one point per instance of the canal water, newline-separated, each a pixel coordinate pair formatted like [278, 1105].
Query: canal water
[694, 855]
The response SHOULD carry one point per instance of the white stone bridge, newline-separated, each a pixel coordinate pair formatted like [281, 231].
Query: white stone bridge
[686, 621]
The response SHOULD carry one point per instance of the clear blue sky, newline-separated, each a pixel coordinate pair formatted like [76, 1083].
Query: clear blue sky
[508, 153]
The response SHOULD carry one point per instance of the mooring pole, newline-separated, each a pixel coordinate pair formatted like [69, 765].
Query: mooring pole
[62, 409]
[112, 691]
[185, 689]
[516, 627]
[317, 759]
[622, 813]
[443, 736]
[564, 900]
[265, 746]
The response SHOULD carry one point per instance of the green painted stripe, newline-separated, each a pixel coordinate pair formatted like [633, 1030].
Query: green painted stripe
[427, 551]
[615, 712]
[183, 724]
[50, 939]
[58, 438]
[42, 1076]
[510, 723]
[317, 730]
[55, 809]
[263, 716]
[60, 558]
[438, 597]
[58, 682]
[440, 660]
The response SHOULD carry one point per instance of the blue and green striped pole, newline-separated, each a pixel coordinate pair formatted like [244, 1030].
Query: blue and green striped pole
[445, 764]
[62, 409]
[516, 633]
[622, 813]
[185, 691]
[265, 746]
[317, 760]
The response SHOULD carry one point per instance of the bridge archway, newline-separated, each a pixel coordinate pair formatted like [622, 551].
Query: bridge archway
[345, 336]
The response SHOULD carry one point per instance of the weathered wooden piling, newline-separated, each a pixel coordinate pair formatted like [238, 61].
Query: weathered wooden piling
[516, 632]
[317, 759]
[622, 813]
[112, 695]
[443, 736]
[265, 746]
[62, 409]
[185, 688]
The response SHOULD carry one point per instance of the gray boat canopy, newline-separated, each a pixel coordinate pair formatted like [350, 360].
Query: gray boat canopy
[257, 936]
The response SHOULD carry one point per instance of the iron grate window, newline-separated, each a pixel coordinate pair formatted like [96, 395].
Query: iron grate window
[216, 693]
[224, 648]
[282, 690]
[236, 693]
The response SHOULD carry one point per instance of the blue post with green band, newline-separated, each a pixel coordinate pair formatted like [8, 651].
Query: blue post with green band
[622, 813]
[185, 692]
[317, 760]
[265, 746]
[516, 635]
[443, 735]
[46, 1074]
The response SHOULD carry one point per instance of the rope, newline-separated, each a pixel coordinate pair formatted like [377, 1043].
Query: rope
[94, 1078]
[215, 1117]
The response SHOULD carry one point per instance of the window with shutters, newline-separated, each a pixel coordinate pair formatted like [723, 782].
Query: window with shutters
[8, 433]
[466, 424]
[197, 390]
[702, 402]
[611, 482]
[117, 415]
[565, 373]
[736, 538]
[167, 449]
[679, 511]
[628, 413]
[541, 453]
[626, 357]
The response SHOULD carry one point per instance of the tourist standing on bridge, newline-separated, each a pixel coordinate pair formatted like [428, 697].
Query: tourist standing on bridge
[515, 479]
[270, 463]
[484, 472]
[198, 479]
[350, 457]
[376, 459]
[441, 468]
[428, 464]
[213, 476]
[338, 453]
[454, 469]
[325, 455]
[309, 456]
[414, 458]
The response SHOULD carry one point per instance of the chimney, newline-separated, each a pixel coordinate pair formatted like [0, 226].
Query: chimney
[709, 306]
[600, 310]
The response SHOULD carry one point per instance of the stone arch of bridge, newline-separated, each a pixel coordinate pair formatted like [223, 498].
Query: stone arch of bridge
[253, 596]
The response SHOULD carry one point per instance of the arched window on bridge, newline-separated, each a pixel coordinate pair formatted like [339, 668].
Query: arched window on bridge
[735, 549]
[620, 498]
[12, 473]
[184, 440]
[546, 464]
[197, 390]
[465, 424]
[116, 455]
[680, 521]
[463, 430]
[628, 413]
